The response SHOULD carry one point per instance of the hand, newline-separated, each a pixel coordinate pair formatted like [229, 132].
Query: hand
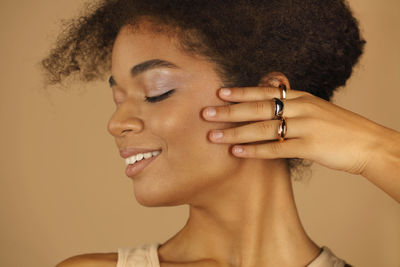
[317, 130]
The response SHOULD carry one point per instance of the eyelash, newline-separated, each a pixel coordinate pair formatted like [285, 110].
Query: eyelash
[160, 97]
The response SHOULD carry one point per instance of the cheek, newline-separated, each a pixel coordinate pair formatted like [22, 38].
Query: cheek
[182, 130]
[185, 135]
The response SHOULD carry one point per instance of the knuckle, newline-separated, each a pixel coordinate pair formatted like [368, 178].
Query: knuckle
[255, 150]
[241, 92]
[269, 91]
[265, 127]
[227, 110]
[234, 133]
[261, 107]
[309, 104]
[306, 94]
[275, 148]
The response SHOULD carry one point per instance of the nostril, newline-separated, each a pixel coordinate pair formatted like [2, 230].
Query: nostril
[126, 130]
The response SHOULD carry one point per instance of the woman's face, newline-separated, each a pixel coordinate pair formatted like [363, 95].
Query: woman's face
[190, 167]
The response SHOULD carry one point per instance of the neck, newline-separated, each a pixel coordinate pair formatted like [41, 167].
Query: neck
[248, 220]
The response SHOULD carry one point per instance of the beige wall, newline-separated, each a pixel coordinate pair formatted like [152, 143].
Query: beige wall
[63, 190]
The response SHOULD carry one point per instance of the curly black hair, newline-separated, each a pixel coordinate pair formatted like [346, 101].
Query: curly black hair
[314, 43]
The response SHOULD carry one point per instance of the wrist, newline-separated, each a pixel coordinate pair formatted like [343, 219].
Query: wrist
[383, 165]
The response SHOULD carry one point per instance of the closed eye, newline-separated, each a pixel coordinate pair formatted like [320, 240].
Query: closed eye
[160, 97]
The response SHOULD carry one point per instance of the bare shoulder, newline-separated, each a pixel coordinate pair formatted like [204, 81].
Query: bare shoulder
[91, 260]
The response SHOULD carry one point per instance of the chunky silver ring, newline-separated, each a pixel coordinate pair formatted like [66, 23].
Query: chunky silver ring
[282, 129]
[278, 108]
[284, 89]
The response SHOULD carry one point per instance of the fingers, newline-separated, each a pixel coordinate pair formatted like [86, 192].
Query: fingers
[257, 106]
[263, 130]
[252, 111]
[257, 93]
[290, 148]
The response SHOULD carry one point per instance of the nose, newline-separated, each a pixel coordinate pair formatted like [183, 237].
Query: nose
[120, 124]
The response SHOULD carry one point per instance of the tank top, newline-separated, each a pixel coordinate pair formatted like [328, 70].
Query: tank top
[146, 255]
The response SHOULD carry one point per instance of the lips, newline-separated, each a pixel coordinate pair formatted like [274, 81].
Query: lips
[130, 151]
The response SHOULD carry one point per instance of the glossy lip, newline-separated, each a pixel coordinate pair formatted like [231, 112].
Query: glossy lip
[130, 151]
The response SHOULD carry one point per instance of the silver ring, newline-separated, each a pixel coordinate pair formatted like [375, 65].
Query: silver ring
[279, 106]
[284, 90]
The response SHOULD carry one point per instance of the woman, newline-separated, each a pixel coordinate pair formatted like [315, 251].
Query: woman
[170, 61]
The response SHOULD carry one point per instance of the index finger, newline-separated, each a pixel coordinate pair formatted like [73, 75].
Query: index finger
[256, 93]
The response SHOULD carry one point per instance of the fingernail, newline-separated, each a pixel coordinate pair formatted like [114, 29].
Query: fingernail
[210, 112]
[217, 134]
[225, 91]
[238, 149]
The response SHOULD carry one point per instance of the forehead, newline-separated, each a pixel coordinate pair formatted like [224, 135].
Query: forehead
[133, 46]
[143, 41]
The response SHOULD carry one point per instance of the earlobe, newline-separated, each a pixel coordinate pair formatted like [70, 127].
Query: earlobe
[274, 79]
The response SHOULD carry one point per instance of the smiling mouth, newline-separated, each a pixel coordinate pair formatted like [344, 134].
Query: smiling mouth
[135, 168]
[141, 156]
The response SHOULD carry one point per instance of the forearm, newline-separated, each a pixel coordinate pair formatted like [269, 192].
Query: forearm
[383, 168]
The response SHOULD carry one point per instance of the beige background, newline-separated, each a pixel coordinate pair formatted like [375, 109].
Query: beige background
[63, 190]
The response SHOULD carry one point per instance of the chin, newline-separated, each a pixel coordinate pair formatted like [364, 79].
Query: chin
[158, 198]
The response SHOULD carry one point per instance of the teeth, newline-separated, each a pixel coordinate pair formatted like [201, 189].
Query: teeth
[155, 153]
[148, 155]
[140, 156]
[130, 160]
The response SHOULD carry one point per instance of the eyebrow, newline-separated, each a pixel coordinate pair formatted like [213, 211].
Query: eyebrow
[146, 66]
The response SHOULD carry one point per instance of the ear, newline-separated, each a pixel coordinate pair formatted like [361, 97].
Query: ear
[274, 79]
